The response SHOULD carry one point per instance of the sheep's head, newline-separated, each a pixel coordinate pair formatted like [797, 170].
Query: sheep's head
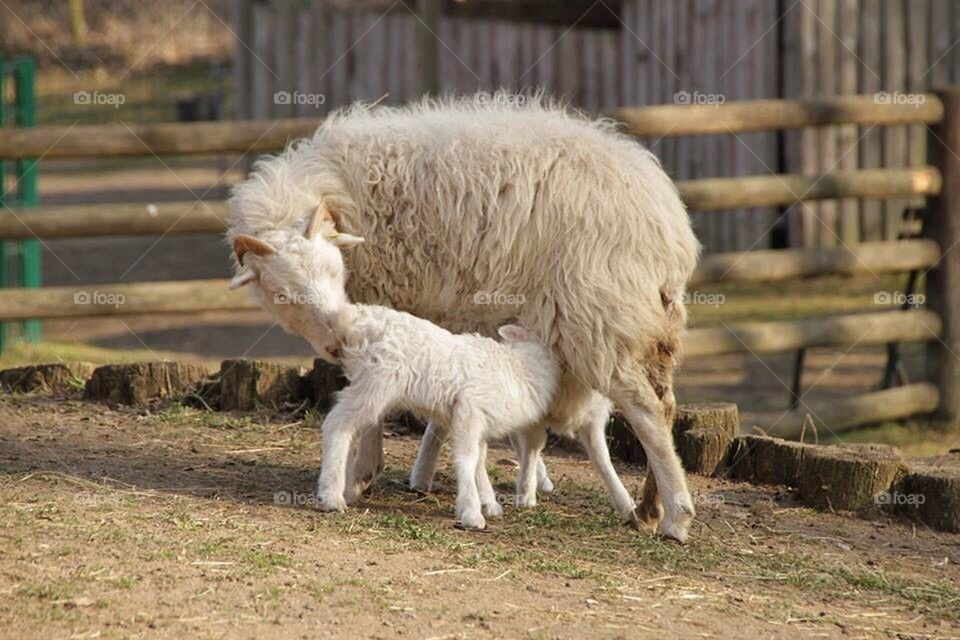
[298, 277]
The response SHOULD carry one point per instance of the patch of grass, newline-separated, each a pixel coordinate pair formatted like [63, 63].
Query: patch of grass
[405, 528]
[22, 353]
[267, 561]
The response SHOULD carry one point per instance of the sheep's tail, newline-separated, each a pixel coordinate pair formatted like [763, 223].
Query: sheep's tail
[666, 354]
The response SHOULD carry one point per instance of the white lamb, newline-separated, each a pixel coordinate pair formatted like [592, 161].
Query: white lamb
[462, 198]
[472, 388]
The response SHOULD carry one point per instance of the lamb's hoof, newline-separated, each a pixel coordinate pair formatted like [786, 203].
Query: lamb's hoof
[545, 485]
[676, 526]
[329, 503]
[526, 502]
[493, 510]
[420, 487]
[353, 492]
[472, 520]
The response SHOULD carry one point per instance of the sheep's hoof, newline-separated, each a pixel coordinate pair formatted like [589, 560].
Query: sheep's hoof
[493, 510]
[472, 520]
[676, 526]
[421, 488]
[331, 503]
[635, 521]
[649, 514]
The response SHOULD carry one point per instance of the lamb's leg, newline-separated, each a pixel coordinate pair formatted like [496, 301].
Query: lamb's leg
[466, 437]
[367, 464]
[594, 440]
[530, 443]
[425, 466]
[642, 408]
[488, 497]
[352, 414]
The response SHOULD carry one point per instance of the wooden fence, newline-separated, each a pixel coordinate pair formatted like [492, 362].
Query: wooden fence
[636, 52]
[937, 325]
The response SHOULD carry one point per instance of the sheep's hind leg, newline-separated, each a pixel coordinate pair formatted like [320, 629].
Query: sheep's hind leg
[593, 438]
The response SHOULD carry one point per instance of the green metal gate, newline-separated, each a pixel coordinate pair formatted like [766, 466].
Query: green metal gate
[19, 260]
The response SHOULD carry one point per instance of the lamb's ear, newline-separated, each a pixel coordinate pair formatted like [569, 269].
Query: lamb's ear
[320, 221]
[344, 240]
[242, 278]
[243, 243]
[515, 333]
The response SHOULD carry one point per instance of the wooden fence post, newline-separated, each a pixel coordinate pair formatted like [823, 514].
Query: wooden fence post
[943, 279]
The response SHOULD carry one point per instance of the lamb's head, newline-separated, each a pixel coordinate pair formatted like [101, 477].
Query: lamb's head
[540, 367]
[298, 276]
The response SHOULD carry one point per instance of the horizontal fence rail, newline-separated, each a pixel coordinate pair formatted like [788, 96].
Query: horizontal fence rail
[708, 194]
[824, 331]
[761, 115]
[85, 141]
[773, 265]
[839, 415]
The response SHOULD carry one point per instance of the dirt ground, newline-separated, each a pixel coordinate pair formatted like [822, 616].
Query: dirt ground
[178, 523]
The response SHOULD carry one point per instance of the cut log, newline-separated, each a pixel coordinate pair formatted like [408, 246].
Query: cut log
[929, 492]
[322, 382]
[723, 416]
[60, 378]
[703, 449]
[143, 382]
[246, 385]
[766, 460]
[848, 477]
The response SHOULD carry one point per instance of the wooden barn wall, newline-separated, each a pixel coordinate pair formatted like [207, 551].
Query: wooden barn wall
[704, 49]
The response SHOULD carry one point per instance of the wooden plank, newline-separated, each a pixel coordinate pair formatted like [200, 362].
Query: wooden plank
[243, 60]
[894, 79]
[262, 80]
[870, 151]
[775, 265]
[918, 40]
[771, 190]
[810, 140]
[862, 329]
[844, 414]
[848, 14]
[829, 152]
[763, 115]
[122, 299]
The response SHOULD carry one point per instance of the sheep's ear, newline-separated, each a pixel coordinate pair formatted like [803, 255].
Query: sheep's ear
[344, 240]
[243, 243]
[245, 277]
[515, 333]
[320, 221]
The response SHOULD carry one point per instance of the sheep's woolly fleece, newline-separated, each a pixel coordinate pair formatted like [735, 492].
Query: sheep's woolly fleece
[462, 201]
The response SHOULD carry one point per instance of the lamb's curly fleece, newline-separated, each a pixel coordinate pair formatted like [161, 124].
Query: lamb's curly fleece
[514, 196]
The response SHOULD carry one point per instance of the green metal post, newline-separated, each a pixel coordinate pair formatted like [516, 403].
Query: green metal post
[3, 190]
[26, 171]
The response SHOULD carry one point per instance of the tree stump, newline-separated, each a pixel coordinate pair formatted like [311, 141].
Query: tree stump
[930, 492]
[723, 416]
[703, 449]
[246, 385]
[61, 378]
[766, 460]
[143, 382]
[848, 477]
[322, 382]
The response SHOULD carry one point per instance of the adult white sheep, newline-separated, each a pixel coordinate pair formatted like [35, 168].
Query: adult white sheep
[467, 202]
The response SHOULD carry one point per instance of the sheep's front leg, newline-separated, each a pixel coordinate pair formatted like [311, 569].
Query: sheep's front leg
[467, 435]
[348, 418]
[425, 466]
[488, 497]
[529, 444]
[367, 464]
